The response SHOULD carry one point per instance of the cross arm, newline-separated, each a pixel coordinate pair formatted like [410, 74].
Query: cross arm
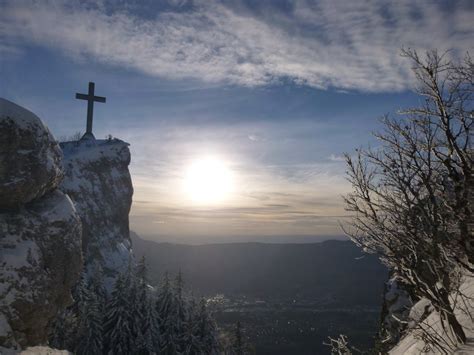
[82, 96]
[87, 97]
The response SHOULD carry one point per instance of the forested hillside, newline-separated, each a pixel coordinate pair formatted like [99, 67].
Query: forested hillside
[331, 272]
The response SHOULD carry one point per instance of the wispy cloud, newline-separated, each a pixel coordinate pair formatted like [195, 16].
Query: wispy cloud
[284, 185]
[337, 158]
[341, 44]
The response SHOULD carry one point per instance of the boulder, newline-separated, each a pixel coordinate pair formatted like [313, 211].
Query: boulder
[41, 261]
[30, 157]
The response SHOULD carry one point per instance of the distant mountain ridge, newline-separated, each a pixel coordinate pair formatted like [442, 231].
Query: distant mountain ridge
[332, 272]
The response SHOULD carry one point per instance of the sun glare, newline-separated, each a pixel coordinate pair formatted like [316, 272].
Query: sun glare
[208, 180]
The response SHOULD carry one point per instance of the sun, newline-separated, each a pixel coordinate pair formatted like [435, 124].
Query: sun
[208, 180]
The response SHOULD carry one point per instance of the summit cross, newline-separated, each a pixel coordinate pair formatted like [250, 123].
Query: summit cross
[90, 107]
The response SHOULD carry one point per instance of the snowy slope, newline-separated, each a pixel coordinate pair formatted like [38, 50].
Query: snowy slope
[35, 350]
[411, 344]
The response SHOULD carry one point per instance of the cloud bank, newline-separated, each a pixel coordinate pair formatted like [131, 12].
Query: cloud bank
[338, 44]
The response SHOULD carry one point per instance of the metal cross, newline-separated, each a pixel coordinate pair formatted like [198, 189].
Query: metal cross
[90, 107]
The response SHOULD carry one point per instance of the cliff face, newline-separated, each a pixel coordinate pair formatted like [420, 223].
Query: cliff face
[99, 183]
[40, 231]
[63, 210]
[30, 157]
[396, 306]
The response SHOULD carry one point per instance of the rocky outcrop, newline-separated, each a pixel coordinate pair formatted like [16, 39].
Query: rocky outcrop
[426, 335]
[41, 262]
[30, 158]
[99, 183]
[396, 307]
[40, 231]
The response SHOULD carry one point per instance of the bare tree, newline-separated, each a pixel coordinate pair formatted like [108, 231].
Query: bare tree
[73, 137]
[412, 196]
[341, 346]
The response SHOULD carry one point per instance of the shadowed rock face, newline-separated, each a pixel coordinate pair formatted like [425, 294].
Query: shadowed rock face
[40, 231]
[99, 183]
[41, 262]
[396, 306]
[30, 158]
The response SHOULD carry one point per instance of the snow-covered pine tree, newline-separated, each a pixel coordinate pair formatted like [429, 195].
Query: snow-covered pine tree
[96, 285]
[135, 320]
[80, 294]
[205, 330]
[90, 325]
[64, 332]
[165, 308]
[149, 339]
[118, 335]
[173, 311]
[181, 315]
[237, 343]
[151, 336]
[191, 339]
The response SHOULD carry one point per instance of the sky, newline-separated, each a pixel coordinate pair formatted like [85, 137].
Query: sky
[275, 91]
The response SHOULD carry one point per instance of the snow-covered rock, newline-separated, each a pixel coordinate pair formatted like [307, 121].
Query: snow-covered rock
[40, 231]
[40, 263]
[412, 343]
[395, 310]
[99, 183]
[30, 158]
[35, 350]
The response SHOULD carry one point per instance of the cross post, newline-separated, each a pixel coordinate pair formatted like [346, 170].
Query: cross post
[90, 98]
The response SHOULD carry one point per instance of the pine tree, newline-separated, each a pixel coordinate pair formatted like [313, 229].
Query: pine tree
[64, 331]
[181, 313]
[135, 321]
[80, 294]
[149, 338]
[118, 335]
[90, 327]
[192, 339]
[205, 330]
[135, 314]
[96, 285]
[237, 345]
[165, 307]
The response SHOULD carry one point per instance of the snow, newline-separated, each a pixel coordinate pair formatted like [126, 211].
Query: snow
[411, 344]
[4, 326]
[36, 241]
[23, 118]
[94, 150]
[60, 207]
[14, 260]
[466, 349]
[418, 311]
[43, 350]
[99, 184]
[35, 350]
